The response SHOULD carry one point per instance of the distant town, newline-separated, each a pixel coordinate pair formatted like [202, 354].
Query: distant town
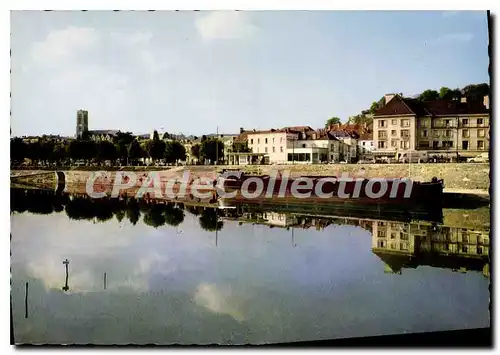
[445, 126]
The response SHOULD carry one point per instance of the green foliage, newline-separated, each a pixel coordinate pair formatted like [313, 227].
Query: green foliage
[331, 121]
[135, 150]
[174, 151]
[195, 151]
[18, 149]
[241, 147]
[211, 149]
[156, 149]
[106, 151]
[209, 221]
[428, 95]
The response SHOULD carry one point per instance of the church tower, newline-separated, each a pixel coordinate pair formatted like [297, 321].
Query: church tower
[82, 122]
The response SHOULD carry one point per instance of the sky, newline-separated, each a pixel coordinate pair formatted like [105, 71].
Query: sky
[201, 72]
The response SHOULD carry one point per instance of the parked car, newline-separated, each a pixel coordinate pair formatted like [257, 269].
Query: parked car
[366, 161]
[414, 157]
[481, 158]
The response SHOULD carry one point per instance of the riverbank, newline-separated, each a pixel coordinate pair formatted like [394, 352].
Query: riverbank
[463, 178]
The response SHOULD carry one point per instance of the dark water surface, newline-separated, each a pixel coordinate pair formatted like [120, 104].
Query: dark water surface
[189, 275]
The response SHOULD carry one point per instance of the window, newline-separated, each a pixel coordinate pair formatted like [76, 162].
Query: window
[447, 123]
[479, 250]
[393, 235]
[258, 140]
[381, 124]
[405, 144]
[447, 133]
[448, 144]
[251, 141]
[404, 246]
[381, 244]
[423, 123]
[405, 133]
[404, 236]
[266, 141]
[465, 122]
[382, 134]
[274, 150]
[480, 132]
[465, 145]
[479, 121]
[464, 248]
[394, 133]
[424, 133]
[273, 140]
[465, 133]
[394, 122]
[394, 143]
[303, 145]
[480, 145]
[265, 149]
[281, 149]
[381, 234]
[364, 143]
[424, 144]
[405, 123]
[381, 144]
[435, 145]
[435, 133]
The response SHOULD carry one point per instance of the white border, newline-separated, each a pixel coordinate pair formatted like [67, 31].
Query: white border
[177, 4]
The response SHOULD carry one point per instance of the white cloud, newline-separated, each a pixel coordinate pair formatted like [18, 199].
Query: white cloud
[64, 44]
[225, 25]
[132, 39]
[452, 38]
[218, 299]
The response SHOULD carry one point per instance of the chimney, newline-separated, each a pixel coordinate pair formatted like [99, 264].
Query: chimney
[486, 102]
[388, 97]
[241, 130]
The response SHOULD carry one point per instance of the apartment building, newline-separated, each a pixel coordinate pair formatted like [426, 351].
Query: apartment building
[439, 127]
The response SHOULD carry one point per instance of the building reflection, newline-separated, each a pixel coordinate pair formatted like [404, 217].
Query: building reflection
[401, 242]
[409, 245]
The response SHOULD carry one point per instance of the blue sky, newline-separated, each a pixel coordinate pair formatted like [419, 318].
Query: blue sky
[190, 71]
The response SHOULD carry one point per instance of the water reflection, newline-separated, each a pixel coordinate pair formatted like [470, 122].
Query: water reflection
[145, 272]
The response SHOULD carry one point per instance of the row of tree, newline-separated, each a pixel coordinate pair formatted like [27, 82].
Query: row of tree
[124, 148]
[102, 210]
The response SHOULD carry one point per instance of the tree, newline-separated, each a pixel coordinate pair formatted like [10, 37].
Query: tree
[445, 93]
[135, 150]
[374, 107]
[476, 90]
[174, 151]
[156, 147]
[209, 220]
[155, 216]
[195, 151]
[122, 141]
[173, 215]
[211, 149]
[332, 121]
[18, 150]
[241, 147]
[428, 95]
[106, 151]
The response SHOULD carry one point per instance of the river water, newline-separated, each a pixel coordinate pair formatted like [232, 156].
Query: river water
[175, 274]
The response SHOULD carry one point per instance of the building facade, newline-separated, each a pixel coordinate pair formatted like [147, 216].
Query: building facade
[439, 127]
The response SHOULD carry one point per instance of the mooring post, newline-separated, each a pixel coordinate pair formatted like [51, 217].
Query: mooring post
[26, 302]
[104, 280]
